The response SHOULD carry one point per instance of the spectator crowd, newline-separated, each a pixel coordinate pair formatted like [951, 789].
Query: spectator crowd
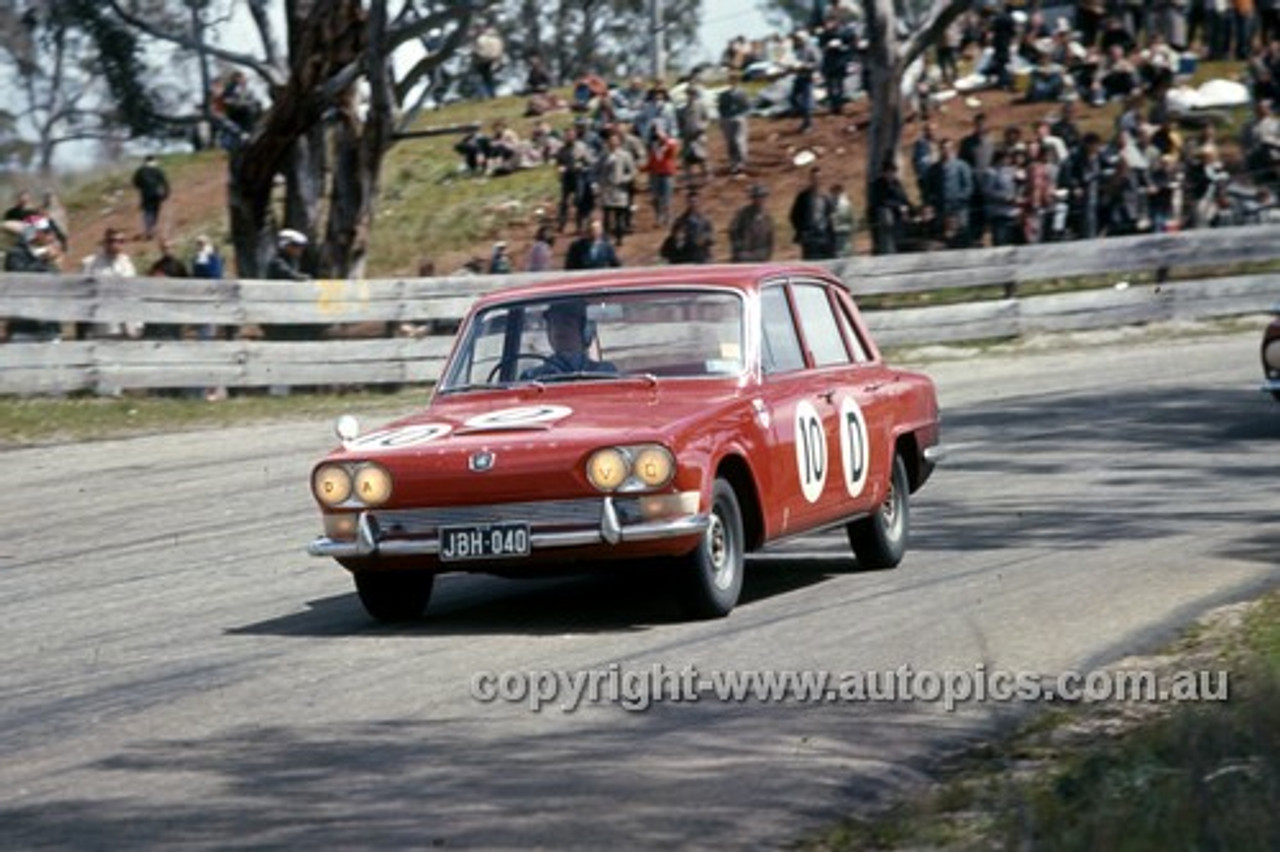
[638, 154]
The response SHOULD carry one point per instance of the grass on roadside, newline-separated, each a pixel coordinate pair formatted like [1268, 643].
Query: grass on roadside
[43, 421]
[1176, 776]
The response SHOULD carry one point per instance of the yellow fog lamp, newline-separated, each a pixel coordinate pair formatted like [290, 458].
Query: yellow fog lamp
[653, 466]
[372, 484]
[331, 484]
[608, 468]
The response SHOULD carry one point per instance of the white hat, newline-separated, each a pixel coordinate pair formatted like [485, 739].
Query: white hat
[290, 237]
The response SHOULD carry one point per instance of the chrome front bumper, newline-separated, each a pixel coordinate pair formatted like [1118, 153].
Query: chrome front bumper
[1270, 386]
[552, 524]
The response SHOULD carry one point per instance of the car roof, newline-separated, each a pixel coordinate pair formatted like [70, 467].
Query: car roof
[744, 277]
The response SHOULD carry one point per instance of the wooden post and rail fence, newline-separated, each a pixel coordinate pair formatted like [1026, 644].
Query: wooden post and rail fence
[979, 294]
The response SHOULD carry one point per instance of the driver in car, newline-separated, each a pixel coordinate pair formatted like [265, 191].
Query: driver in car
[569, 334]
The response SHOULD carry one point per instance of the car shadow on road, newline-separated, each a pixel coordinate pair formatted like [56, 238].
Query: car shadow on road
[602, 602]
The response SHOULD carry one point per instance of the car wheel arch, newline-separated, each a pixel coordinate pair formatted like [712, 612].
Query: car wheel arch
[737, 472]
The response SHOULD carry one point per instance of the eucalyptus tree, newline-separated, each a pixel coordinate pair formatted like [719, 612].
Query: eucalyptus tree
[336, 103]
[75, 76]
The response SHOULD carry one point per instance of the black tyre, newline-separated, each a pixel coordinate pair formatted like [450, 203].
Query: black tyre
[713, 573]
[880, 541]
[394, 595]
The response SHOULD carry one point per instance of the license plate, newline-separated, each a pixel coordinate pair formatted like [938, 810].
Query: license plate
[492, 541]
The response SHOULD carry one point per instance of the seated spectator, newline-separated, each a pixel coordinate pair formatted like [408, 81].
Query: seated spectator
[504, 149]
[1047, 81]
[475, 150]
[1118, 77]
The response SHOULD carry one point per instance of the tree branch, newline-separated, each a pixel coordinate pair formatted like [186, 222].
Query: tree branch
[272, 75]
[941, 16]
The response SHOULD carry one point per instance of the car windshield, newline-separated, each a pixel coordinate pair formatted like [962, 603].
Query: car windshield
[601, 337]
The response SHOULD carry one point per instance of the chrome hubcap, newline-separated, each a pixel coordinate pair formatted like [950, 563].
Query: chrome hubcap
[717, 544]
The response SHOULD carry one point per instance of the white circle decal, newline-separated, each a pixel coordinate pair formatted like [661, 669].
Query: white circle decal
[394, 439]
[811, 451]
[855, 449]
[514, 418]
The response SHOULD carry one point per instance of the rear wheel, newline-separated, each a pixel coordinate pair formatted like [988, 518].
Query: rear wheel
[880, 541]
[713, 572]
[394, 595]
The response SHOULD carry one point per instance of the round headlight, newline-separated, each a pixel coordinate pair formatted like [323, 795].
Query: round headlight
[653, 466]
[331, 484]
[607, 469]
[372, 484]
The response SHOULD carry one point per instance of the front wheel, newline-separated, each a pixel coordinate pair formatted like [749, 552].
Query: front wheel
[713, 572]
[394, 595]
[880, 541]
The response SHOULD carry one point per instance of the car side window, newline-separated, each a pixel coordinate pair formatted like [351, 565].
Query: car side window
[821, 328]
[779, 344]
[851, 334]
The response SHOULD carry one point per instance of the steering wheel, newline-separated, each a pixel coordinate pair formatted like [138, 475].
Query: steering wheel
[514, 359]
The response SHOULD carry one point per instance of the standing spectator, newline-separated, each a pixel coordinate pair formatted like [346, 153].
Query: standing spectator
[734, 105]
[889, 207]
[500, 260]
[153, 189]
[23, 208]
[835, 60]
[976, 149]
[110, 261]
[539, 259]
[286, 265]
[639, 151]
[924, 153]
[1000, 192]
[1246, 27]
[1082, 177]
[613, 172]
[1260, 140]
[812, 220]
[694, 121]
[843, 221]
[1065, 127]
[1268, 20]
[166, 266]
[1169, 20]
[1036, 193]
[751, 230]
[36, 251]
[486, 58]
[950, 192]
[53, 209]
[692, 235]
[592, 250]
[805, 64]
[664, 163]
[573, 162]
[207, 264]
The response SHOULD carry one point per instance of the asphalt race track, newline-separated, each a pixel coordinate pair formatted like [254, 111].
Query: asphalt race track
[178, 674]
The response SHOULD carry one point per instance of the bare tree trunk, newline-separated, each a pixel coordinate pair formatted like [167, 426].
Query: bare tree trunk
[888, 60]
[885, 89]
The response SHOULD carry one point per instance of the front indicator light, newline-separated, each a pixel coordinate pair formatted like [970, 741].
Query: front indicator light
[340, 527]
[331, 484]
[654, 466]
[372, 485]
[607, 469]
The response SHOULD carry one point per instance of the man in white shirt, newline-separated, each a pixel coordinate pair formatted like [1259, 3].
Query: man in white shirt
[110, 261]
